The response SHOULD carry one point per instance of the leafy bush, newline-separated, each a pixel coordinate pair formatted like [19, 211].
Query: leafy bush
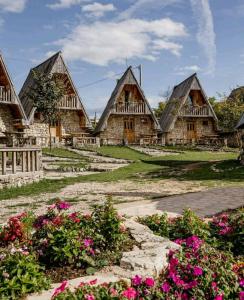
[228, 229]
[180, 227]
[20, 274]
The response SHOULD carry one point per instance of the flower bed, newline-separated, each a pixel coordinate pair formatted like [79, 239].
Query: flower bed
[197, 271]
[58, 245]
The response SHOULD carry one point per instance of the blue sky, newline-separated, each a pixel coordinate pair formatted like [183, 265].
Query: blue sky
[99, 38]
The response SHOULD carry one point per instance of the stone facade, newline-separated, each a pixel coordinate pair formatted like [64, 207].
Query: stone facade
[203, 127]
[70, 120]
[114, 132]
[6, 119]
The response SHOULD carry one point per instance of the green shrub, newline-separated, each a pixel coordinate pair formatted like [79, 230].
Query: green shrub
[20, 274]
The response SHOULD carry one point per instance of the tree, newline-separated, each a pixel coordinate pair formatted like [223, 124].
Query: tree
[230, 109]
[46, 94]
[161, 105]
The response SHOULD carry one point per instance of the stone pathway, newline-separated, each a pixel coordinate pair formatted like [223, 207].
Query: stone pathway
[152, 151]
[204, 203]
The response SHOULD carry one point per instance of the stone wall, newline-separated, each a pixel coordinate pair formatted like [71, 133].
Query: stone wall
[179, 132]
[114, 132]
[20, 179]
[6, 119]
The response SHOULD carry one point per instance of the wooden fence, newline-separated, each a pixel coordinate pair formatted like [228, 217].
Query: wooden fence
[15, 160]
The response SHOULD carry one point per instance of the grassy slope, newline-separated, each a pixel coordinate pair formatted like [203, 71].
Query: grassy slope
[122, 153]
[60, 152]
[145, 168]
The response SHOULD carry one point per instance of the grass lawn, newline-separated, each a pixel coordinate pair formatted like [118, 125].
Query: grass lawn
[227, 171]
[60, 152]
[121, 152]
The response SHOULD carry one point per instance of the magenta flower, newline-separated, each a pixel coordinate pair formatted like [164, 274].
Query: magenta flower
[130, 293]
[60, 289]
[197, 271]
[88, 242]
[241, 282]
[219, 297]
[241, 296]
[89, 297]
[225, 230]
[62, 205]
[137, 280]
[165, 287]
[149, 282]
[214, 286]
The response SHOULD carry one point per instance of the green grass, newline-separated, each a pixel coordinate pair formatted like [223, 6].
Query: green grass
[61, 152]
[121, 152]
[148, 168]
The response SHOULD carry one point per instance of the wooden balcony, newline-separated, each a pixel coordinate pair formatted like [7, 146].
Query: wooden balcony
[6, 96]
[196, 111]
[132, 108]
[69, 102]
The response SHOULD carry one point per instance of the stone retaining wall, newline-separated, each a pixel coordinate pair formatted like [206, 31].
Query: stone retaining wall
[20, 179]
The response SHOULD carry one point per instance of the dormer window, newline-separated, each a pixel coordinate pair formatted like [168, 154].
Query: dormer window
[190, 100]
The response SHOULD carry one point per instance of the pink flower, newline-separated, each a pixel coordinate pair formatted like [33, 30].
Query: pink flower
[219, 297]
[88, 242]
[241, 282]
[137, 280]
[92, 282]
[165, 287]
[241, 295]
[130, 293]
[62, 205]
[149, 282]
[197, 271]
[60, 289]
[225, 230]
[113, 292]
[214, 286]
[89, 297]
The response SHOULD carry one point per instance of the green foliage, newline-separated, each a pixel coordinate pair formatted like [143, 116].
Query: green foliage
[61, 152]
[122, 153]
[20, 274]
[159, 110]
[159, 224]
[229, 110]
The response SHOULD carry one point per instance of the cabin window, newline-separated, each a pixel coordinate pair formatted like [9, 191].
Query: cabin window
[127, 96]
[205, 123]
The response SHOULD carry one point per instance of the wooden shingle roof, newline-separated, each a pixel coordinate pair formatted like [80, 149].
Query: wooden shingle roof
[178, 99]
[16, 103]
[54, 64]
[127, 78]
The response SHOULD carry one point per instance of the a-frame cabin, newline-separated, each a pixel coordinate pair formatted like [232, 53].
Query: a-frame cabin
[12, 115]
[188, 116]
[73, 119]
[128, 117]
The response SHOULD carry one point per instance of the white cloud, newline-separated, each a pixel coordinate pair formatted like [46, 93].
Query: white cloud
[1, 22]
[142, 5]
[14, 6]
[66, 3]
[206, 33]
[98, 9]
[187, 69]
[102, 43]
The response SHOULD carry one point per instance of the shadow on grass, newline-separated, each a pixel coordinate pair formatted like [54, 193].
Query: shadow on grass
[229, 170]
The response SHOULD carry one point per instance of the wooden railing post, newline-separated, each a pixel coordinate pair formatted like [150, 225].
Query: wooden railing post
[23, 161]
[4, 163]
[14, 162]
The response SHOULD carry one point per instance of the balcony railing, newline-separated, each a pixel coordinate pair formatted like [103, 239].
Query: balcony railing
[6, 95]
[69, 102]
[196, 111]
[131, 108]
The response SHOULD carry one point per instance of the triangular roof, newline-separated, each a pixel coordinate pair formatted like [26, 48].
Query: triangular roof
[178, 99]
[240, 124]
[51, 65]
[16, 103]
[127, 78]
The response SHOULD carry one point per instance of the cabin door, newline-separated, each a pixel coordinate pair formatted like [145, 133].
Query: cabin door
[56, 130]
[191, 131]
[129, 130]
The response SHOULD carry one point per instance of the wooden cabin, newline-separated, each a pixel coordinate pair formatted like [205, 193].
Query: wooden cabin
[240, 129]
[12, 115]
[128, 117]
[73, 119]
[188, 116]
